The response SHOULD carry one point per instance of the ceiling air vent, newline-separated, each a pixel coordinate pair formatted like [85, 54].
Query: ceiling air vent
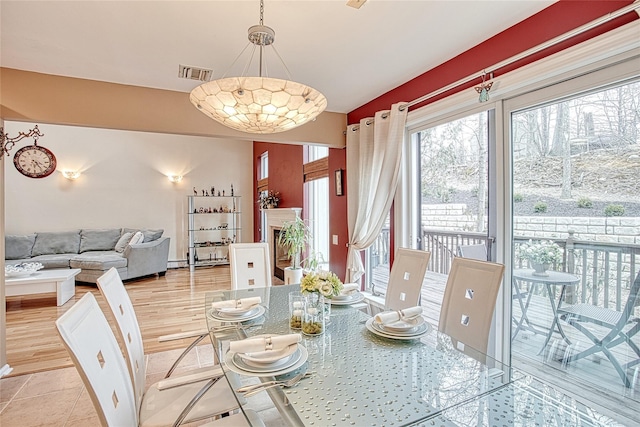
[194, 73]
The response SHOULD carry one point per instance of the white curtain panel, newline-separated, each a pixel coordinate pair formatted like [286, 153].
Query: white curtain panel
[374, 153]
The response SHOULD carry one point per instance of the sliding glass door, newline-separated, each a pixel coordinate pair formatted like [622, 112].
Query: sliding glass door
[575, 161]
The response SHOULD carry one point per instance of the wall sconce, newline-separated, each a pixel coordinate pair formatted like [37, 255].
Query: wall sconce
[175, 178]
[71, 175]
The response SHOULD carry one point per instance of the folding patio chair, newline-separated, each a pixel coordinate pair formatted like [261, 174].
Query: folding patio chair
[621, 326]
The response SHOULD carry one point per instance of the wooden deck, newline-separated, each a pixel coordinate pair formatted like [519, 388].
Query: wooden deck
[592, 380]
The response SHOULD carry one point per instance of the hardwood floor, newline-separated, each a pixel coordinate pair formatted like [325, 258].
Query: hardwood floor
[164, 305]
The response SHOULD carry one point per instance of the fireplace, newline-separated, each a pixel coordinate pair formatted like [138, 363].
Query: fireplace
[280, 260]
[275, 218]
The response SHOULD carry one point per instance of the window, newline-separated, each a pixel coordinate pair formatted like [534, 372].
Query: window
[316, 177]
[263, 188]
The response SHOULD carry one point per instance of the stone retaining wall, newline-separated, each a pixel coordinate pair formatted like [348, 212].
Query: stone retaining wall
[600, 229]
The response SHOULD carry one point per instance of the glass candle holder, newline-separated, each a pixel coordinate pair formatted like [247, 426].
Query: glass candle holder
[296, 310]
[313, 320]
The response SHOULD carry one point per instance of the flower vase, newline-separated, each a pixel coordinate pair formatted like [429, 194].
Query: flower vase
[540, 269]
[313, 319]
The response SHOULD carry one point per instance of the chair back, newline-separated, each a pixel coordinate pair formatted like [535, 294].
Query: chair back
[478, 252]
[469, 301]
[250, 266]
[633, 300]
[120, 305]
[93, 348]
[405, 279]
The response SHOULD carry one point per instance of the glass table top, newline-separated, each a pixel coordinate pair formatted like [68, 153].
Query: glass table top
[360, 378]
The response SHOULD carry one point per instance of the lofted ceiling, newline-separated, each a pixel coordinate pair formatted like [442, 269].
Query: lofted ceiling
[351, 55]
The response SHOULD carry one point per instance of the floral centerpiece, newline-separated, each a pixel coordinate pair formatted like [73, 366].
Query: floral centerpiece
[322, 282]
[269, 200]
[315, 287]
[541, 254]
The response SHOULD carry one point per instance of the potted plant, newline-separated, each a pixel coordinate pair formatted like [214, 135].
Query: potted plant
[294, 235]
[269, 200]
[542, 255]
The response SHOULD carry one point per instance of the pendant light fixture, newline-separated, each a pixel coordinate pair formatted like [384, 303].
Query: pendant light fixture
[260, 104]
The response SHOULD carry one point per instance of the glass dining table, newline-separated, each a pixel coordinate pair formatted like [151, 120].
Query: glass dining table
[358, 378]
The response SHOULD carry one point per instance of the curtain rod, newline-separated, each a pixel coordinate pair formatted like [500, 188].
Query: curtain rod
[489, 70]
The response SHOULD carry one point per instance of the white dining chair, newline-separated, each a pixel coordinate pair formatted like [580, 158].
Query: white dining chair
[469, 300]
[95, 352]
[406, 278]
[191, 396]
[250, 265]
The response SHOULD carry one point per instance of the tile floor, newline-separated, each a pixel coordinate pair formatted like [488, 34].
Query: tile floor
[58, 398]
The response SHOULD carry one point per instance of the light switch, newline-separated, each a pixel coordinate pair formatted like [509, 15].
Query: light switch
[335, 239]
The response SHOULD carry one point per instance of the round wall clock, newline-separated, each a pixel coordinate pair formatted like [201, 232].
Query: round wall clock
[34, 161]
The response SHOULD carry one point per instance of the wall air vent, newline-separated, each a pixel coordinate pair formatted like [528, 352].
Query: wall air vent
[194, 73]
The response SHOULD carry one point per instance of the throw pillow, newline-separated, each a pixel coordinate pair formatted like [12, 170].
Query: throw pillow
[123, 242]
[18, 246]
[137, 238]
[99, 240]
[64, 242]
[151, 235]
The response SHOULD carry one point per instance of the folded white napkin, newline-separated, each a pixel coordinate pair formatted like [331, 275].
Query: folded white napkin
[389, 317]
[240, 303]
[273, 343]
[349, 288]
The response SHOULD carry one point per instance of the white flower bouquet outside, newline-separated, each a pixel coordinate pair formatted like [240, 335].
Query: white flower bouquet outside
[325, 283]
[541, 252]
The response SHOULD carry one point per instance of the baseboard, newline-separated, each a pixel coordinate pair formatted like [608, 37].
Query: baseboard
[181, 263]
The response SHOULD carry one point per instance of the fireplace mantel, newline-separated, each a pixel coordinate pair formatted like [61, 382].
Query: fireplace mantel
[275, 218]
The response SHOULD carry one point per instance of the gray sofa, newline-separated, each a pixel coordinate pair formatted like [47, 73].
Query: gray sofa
[93, 251]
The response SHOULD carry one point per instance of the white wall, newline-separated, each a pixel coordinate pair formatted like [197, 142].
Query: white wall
[124, 181]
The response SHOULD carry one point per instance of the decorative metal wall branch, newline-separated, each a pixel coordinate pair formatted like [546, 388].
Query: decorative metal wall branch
[484, 88]
[6, 143]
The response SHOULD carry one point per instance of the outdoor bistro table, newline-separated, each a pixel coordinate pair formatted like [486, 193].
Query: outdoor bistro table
[361, 379]
[553, 279]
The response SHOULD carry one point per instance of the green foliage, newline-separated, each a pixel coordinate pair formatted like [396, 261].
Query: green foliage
[444, 194]
[540, 207]
[294, 235]
[585, 202]
[614, 210]
[518, 197]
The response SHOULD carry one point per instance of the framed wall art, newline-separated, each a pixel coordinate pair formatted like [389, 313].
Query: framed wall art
[339, 184]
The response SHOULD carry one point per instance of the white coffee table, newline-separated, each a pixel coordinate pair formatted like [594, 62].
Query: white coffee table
[60, 281]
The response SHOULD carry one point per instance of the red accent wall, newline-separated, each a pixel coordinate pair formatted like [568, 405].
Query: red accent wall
[285, 176]
[338, 213]
[555, 20]
[285, 161]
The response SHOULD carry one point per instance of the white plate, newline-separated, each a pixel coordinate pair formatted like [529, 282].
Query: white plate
[269, 356]
[229, 364]
[269, 367]
[344, 297]
[403, 325]
[216, 315]
[419, 330]
[370, 326]
[235, 311]
[352, 299]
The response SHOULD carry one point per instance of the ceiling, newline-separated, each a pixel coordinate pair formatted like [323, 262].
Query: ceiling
[350, 55]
